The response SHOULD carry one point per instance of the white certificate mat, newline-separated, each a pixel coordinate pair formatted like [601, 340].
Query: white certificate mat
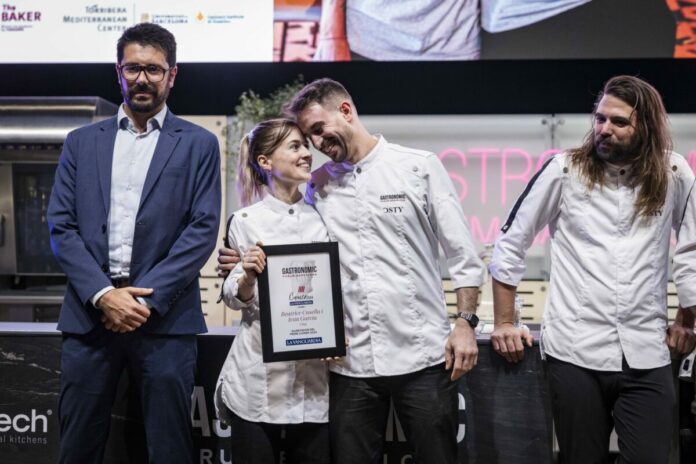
[300, 302]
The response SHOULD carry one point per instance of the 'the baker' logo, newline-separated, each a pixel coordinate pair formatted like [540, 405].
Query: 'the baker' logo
[10, 14]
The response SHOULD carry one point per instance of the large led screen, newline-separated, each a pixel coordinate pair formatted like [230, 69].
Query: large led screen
[79, 31]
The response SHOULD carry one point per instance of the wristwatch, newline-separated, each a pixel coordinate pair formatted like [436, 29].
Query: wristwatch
[471, 318]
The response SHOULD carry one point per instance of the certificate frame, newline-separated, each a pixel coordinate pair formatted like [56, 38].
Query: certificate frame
[324, 325]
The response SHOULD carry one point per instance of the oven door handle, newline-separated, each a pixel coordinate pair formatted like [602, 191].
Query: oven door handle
[2, 230]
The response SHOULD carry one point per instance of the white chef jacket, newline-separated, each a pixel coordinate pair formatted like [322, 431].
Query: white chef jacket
[504, 15]
[609, 268]
[385, 30]
[280, 392]
[684, 262]
[389, 212]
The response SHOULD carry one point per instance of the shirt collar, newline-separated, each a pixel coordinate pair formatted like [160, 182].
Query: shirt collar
[280, 207]
[367, 161]
[155, 122]
[371, 157]
[614, 170]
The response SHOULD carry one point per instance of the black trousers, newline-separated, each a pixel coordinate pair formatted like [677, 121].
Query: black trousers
[263, 443]
[425, 402]
[586, 405]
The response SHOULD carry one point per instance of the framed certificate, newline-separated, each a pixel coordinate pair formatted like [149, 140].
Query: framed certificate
[300, 302]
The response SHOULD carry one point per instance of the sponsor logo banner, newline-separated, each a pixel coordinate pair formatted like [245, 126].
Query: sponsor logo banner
[73, 31]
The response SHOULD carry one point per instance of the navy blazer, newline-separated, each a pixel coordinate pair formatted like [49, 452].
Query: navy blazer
[175, 228]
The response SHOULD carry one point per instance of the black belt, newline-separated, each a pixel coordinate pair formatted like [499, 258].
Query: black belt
[121, 282]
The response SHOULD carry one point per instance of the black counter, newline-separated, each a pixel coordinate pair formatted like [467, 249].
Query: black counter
[504, 408]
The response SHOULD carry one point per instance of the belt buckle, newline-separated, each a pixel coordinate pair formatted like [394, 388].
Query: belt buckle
[120, 282]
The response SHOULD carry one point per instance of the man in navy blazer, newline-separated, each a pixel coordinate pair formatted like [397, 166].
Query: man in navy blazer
[134, 215]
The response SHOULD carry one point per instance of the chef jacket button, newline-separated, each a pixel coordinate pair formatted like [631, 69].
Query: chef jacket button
[674, 168]
[415, 168]
[565, 170]
[244, 214]
[358, 170]
[291, 211]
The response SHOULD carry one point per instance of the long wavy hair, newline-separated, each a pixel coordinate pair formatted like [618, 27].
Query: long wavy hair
[650, 173]
[263, 139]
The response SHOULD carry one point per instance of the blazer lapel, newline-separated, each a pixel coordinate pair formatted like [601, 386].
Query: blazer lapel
[106, 138]
[166, 143]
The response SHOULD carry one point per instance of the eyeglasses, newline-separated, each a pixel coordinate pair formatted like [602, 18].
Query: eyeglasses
[153, 73]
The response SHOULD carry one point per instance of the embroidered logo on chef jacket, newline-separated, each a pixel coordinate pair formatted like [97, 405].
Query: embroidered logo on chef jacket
[392, 203]
[392, 197]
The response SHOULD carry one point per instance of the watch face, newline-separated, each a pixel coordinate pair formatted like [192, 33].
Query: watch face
[471, 318]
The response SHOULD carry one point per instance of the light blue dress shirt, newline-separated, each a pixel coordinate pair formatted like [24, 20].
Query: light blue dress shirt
[133, 153]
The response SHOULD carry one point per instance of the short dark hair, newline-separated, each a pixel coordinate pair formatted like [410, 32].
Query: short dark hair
[148, 34]
[318, 91]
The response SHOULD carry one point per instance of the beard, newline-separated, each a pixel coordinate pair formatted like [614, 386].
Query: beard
[147, 105]
[335, 147]
[613, 152]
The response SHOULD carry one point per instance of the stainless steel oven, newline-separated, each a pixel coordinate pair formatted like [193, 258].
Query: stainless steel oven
[32, 131]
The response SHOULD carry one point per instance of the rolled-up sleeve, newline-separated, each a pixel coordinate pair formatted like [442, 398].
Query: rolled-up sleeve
[536, 207]
[447, 219]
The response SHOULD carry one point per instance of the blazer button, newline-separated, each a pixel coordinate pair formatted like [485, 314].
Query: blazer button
[103, 228]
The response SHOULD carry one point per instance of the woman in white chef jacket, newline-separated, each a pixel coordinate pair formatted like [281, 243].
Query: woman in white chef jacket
[259, 400]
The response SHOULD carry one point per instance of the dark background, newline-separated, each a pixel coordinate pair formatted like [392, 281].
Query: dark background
[471, 87]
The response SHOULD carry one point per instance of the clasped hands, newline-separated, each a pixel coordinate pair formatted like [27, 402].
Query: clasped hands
[122, 312]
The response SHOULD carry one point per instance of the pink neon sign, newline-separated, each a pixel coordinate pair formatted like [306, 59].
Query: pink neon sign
[488, 180]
